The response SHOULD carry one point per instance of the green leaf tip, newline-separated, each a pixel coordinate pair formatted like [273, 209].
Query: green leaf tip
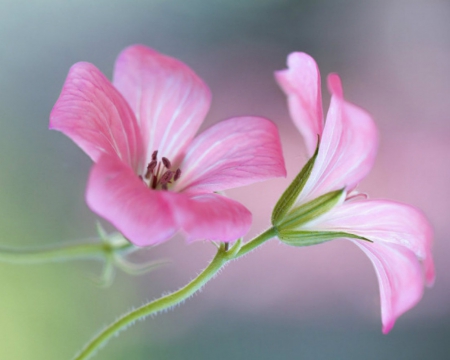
[291, 194]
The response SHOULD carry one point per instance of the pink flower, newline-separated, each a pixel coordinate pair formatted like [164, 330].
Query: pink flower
[151, 177]
[400, 235]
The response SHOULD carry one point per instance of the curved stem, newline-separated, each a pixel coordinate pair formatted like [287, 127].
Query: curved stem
[224, 254]
[155, 306]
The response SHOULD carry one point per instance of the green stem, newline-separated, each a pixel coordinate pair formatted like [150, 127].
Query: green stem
[257, 241]
[223, 256]
[162, 303]
[54, 254]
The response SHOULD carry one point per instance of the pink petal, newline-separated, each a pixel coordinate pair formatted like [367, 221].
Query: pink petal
[383, 221]
[170, 101]
[347, 148]
[96, 117]
[234, 152]
[399, 276]
[211, 217]
[401, 238]
[116, 193]
[301, 83]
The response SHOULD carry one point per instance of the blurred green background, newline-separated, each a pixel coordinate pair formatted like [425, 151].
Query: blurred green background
[276, 303]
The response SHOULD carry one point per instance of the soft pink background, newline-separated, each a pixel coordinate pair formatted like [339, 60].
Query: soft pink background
[394, 59]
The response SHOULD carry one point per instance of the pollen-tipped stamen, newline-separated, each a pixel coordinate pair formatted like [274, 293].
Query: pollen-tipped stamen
[159, 173]
[151, 166]
[177, 174]
[166, 179]
[167, 176]
[166, 163]
[154, 180]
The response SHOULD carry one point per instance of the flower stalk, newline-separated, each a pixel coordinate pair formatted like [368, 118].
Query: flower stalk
[223, 255]
[60, 253]
[112, 250]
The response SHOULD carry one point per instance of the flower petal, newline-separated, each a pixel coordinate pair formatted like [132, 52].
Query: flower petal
[234, 152]
[399, 276]
[96, 117]
[116, 193]
[401, 238]
[301, 83]
[347, 148]
[383, 221]
[170, 101]
[210, 217]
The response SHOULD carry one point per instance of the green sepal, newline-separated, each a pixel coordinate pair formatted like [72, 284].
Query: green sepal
[311, 210]
[114, 243]
[291, 194]
[307, 238]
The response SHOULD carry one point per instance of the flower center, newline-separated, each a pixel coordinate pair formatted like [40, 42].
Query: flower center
[159, 174]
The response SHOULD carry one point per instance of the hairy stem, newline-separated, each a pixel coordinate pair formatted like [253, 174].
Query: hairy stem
[257, 241]
[223, 256]
[155, 306]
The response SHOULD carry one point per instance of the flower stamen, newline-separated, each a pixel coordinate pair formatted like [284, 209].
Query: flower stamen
[177, 174]
[151, 166]
[166, 162]
[159, 174]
